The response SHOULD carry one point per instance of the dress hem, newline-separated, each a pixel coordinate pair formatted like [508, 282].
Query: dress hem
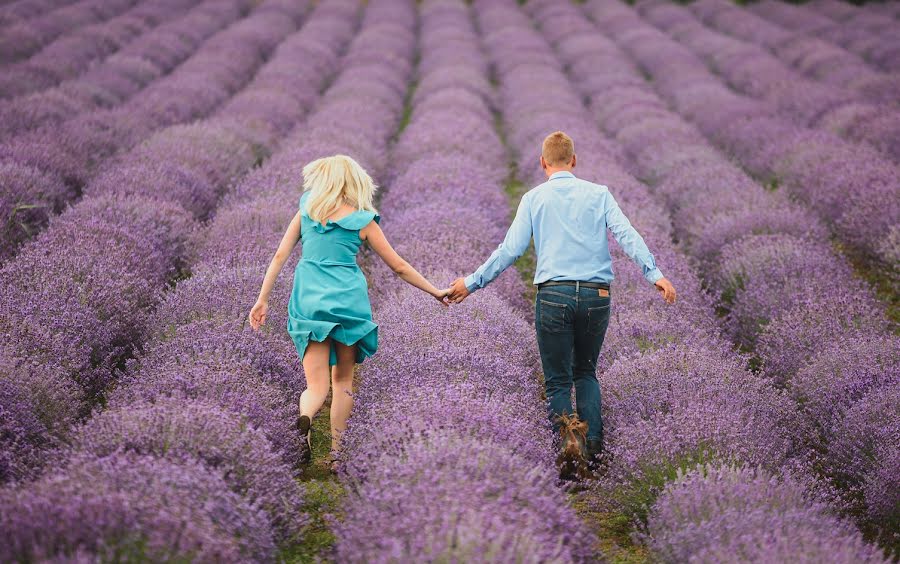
[361, 355]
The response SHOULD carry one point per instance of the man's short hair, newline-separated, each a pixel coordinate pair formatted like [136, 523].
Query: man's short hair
[558, 149]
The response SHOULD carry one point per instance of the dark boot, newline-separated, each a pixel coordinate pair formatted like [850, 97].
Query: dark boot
[304, 424]
[572, 465]
[593, 450]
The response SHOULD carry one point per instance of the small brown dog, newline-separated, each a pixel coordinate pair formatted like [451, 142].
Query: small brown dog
[571, 461]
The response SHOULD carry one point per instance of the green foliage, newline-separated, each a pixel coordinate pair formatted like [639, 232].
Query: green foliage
[613, 532]
[637, 497]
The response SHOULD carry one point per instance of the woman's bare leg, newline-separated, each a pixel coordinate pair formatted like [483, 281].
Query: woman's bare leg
[342, 388]
[315, 366]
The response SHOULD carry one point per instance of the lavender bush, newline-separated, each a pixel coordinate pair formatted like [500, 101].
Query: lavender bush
[37, 196]
[228, 60]
[786, 315]
[76, 52]
[863, 457]
[184, 431]
[24, 10]
[841, 374]
[741, 514]
[122, 75]
[449, 497]
[134, 508]
[22, 39]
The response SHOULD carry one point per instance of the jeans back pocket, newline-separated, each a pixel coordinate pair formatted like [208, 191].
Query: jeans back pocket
[598, 319]
[555, 317]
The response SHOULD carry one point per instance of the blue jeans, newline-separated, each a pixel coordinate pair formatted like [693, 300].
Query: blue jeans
[570, 327]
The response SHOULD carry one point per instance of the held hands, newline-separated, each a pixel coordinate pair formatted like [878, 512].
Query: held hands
[441, 296]
[666, 289]
[258, 315]
[458, 291]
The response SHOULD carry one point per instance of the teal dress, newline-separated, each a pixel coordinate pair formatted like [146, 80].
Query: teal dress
[330, 297]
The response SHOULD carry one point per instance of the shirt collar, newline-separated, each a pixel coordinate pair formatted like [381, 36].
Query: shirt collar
[561, 174]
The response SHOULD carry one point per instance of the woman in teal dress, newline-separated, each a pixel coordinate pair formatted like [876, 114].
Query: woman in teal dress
[329, 314]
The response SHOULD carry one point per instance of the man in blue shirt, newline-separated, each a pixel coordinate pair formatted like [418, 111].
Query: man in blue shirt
[568, 218]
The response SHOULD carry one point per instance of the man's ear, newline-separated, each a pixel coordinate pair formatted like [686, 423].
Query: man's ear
[574, 158]
[543, 163]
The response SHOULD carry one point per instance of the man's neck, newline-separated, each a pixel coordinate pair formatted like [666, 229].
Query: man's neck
[551, 171]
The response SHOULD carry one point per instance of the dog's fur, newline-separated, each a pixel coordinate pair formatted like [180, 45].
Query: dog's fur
[571, 461]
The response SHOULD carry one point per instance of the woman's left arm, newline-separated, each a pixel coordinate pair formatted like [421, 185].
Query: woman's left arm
[288, 242]
[373, 235]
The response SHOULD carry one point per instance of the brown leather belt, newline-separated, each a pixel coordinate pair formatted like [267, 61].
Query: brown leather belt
[576, 283]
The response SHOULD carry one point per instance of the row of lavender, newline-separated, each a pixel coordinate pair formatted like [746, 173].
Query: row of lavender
[202, 324]
[852, 188]
[674, 394]
[448, 453]
[45, 169]
[75, 301]
[24, 37]
[193, 459]
[74, 53]
[663, 408]
[812, 56]
[18, 11]
[869, 31]
[764, 256]
[114, 80]
[827, 88]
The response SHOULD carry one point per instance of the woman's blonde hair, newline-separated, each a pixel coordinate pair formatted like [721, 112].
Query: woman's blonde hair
[335, 180]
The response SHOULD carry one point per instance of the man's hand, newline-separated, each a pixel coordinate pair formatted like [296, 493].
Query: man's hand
[666, 289]
[458, 291]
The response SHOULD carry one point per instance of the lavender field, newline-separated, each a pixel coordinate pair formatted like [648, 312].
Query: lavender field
[150, 160]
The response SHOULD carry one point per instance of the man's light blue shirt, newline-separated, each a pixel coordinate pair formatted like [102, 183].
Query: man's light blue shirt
[568, 218]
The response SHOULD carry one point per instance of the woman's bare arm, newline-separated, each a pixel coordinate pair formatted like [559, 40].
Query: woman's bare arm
[288, 242]
[373, 234]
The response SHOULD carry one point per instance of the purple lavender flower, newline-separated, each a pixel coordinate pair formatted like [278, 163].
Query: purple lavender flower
[741, 514]
[795, 338]
[234, 384]
[37, 407]
[24, 38]
[28, 197]
[758, 267]
[841, 374]
[460, 498]
[183, 431]
[128, 506]
[862, 458]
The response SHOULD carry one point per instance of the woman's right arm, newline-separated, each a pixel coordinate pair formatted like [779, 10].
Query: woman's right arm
[288, 242]
[373, 234]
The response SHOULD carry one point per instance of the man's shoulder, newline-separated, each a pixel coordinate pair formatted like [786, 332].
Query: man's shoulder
[599, 188]
[537, 190]
[544, 187]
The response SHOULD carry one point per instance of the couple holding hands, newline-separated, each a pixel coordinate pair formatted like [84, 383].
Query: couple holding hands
[330, 317]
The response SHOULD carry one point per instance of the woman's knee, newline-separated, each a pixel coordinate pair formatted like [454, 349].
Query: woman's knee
[342, 376]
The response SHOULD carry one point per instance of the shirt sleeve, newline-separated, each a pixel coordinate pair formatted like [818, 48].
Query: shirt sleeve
[630, 240]
[513, 246]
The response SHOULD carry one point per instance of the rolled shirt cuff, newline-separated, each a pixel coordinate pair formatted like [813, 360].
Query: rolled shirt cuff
[653, 276]
[471, 284]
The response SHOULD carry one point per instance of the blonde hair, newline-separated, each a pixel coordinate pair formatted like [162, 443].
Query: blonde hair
[558, 149]
[336, 180]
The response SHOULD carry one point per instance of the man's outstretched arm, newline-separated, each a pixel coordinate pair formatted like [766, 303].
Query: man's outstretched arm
[513, 246]
[635, 247]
